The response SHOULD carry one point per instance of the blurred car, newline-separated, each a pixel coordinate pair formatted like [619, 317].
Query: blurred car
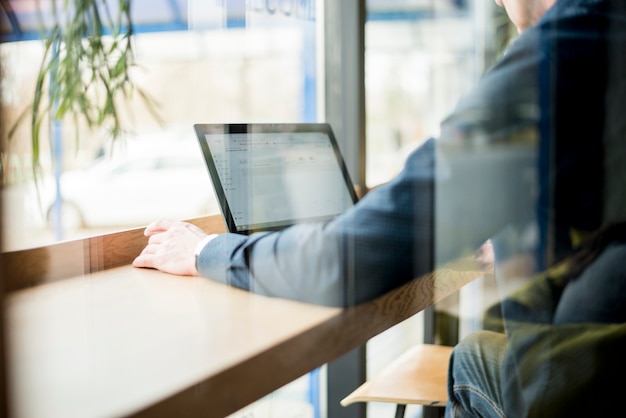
[133, 189]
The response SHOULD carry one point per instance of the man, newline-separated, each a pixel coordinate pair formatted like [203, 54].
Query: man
[532, 158]
[518, 112]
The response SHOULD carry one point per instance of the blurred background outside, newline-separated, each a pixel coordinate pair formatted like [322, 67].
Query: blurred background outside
[228, 62]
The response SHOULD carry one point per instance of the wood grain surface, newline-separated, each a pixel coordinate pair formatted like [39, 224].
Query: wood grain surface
[89, 335]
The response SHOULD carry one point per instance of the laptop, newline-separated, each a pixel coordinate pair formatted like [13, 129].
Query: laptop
[270, 176]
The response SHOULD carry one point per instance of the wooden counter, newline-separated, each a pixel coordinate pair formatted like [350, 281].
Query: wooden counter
[113, 340]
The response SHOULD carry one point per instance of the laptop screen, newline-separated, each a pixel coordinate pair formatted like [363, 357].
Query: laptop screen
[270, 176]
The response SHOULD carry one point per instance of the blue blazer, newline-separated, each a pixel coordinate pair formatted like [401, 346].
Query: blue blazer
[533, 153]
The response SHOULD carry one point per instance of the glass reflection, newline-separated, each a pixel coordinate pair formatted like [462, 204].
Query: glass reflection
[537, 173]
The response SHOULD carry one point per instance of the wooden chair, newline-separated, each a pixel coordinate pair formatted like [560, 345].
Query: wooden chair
[418, 376]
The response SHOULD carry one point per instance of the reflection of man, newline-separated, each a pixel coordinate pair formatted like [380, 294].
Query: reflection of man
[386, 239]
[554, 347]
[558, 341]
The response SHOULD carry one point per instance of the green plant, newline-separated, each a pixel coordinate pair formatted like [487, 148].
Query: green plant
[85, 68]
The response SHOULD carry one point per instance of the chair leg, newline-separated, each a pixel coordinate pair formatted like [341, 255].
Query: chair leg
[400, 408]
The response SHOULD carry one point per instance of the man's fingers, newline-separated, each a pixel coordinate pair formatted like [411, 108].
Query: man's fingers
[158, 226]
[155, 239]
[151, 248]
[144, 260]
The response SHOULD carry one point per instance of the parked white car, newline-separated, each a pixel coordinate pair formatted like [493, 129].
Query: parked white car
[165, 181]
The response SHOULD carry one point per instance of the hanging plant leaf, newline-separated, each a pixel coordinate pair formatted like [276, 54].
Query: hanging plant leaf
[84, 69]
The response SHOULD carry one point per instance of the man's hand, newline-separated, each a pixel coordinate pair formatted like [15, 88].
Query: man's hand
[486, 257]
[171, 247]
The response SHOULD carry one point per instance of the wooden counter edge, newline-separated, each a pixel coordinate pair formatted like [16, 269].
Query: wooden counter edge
[35, 266]
[351, 328]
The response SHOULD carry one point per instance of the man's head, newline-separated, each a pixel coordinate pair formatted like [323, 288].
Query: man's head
[525, 13]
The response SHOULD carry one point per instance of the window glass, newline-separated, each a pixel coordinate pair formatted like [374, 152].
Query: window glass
[199, 62]
[420, 57]
[232, 61]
